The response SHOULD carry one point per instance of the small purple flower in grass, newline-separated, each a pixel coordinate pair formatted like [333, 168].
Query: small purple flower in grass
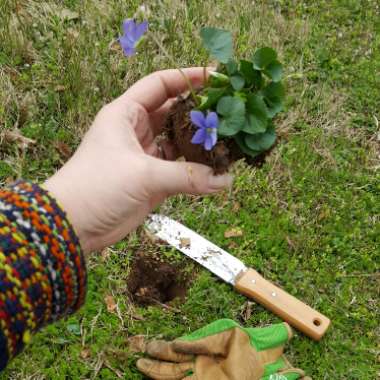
[207, 132]
[133, 31]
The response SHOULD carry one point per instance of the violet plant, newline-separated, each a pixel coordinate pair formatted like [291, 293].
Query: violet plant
[239, 100]
[246, 93]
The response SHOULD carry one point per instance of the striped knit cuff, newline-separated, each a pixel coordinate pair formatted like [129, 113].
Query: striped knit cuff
[42, 268]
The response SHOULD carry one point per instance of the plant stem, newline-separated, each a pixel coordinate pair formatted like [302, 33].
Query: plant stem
[167, 55]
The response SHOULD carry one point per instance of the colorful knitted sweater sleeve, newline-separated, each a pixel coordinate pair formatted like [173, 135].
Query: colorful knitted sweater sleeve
[42, 268]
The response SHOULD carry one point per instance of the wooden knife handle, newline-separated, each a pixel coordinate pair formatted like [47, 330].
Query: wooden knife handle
[287, 307]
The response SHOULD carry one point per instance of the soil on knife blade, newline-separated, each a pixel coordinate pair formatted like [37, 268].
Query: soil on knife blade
[152, 281]
[180, 131]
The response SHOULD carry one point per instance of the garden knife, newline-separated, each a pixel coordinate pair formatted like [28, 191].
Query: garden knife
[245, 280]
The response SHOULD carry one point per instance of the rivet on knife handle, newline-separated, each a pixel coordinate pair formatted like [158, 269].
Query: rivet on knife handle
[289, 308]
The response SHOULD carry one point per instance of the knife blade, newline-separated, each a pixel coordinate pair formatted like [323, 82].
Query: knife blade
[245, 280]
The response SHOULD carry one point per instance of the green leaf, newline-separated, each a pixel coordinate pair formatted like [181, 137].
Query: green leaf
[274, 106]
[274, 90]
[233, 111]
[254, 124]
[229, 105]
[231, 67]
[256, 105]
[261, 141]
[274, 94]
[237, 82]
[257, 118]
[250, 75]
[211, 98]
[274, 71]
[217, 79]
[229, 126]
[218, 42]
[263, 57]
[239, 139]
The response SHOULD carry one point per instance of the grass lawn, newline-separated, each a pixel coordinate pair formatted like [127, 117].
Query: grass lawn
[310, 218]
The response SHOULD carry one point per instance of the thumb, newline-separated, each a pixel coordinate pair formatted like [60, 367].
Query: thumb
[174, 177]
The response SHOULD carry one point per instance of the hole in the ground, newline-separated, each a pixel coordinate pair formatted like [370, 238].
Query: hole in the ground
[151, 281]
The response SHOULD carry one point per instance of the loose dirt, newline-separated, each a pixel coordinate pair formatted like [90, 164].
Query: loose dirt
[152, 281]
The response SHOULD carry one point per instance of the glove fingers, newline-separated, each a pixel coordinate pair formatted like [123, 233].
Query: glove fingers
[164, 371]
[160, 349]
[211, 345]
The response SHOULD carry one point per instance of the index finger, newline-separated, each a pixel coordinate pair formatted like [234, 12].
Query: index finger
[155, 89]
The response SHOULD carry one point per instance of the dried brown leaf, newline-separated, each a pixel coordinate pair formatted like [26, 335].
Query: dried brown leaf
[233, 232]
[63, 149]
[137, 343]
[184, 242]
[85, 353]
[232, 245]
[246, 311]
[60, 88]
[16, 136]
[111, 304]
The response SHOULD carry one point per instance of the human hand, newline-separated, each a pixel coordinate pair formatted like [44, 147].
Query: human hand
[116, 177]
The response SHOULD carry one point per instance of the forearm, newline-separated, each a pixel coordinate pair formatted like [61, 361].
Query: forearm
[42, 270]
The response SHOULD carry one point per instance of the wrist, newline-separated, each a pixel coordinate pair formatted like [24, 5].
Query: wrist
[68, 197]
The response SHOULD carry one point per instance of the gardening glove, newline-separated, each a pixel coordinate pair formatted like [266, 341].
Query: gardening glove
[222, 350]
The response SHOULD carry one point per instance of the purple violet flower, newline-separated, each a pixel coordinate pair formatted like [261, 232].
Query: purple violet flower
[132, 34]
[207, 132]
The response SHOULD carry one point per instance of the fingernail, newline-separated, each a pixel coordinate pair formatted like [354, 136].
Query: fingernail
[218, 182]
